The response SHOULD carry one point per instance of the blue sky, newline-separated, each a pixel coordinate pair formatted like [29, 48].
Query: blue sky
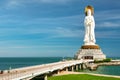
[37, 28]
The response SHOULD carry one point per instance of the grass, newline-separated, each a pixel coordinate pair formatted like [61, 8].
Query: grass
[81, 77]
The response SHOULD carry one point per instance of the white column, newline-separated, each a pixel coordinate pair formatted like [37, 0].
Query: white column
[45, 77]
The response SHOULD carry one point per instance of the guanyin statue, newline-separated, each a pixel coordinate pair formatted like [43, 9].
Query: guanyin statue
[89, 24]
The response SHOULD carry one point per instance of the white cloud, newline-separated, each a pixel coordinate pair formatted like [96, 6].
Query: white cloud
[108, 18]
[107, 15]
[53, 1]
[53, 28]
[109, 24]
[15, 3]
[34, 46]
[57, 32]
[107, 34]
[66, 32]
[12, 4]
[102, 19]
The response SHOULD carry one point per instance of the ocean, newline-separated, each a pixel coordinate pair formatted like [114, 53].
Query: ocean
[109, 70]
[17, 62]
[11, 63]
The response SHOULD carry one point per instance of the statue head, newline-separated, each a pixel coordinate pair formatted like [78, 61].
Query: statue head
[89, 10]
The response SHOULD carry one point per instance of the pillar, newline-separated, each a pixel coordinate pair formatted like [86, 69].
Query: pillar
[76, 67]
[72, 68]
[82, 66]
[66, 69]
[79, 67]
[58, 71]
[45, 77]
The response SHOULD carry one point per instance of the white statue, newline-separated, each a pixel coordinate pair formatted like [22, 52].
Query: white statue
[89, 24]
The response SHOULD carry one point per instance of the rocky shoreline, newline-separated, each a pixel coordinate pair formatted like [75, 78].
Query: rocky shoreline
[113, 62]
[94, 66]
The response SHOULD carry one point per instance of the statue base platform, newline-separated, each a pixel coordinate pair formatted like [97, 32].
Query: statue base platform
[90, 52]
[90, 47]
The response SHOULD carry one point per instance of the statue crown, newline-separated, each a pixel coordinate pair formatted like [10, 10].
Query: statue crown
[89, 7]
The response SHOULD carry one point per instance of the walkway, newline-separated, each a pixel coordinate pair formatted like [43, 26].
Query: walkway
[27, 73]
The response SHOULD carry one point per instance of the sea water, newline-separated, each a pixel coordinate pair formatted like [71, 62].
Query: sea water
[18, 62]
[11, 63]
[109, 70]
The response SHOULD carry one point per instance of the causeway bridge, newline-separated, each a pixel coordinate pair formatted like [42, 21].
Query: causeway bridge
[28, 73]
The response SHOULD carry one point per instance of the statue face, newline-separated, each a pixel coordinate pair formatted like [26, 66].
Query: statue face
[88, 12]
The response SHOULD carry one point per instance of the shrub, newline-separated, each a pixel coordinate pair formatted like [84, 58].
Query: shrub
[104, 60]
[107, 60]
[98, 61]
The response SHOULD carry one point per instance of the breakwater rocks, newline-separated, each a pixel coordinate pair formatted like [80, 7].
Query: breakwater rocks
[113, 62]
[94, 66]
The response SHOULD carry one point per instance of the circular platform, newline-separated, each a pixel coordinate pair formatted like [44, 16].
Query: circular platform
[90, 47]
